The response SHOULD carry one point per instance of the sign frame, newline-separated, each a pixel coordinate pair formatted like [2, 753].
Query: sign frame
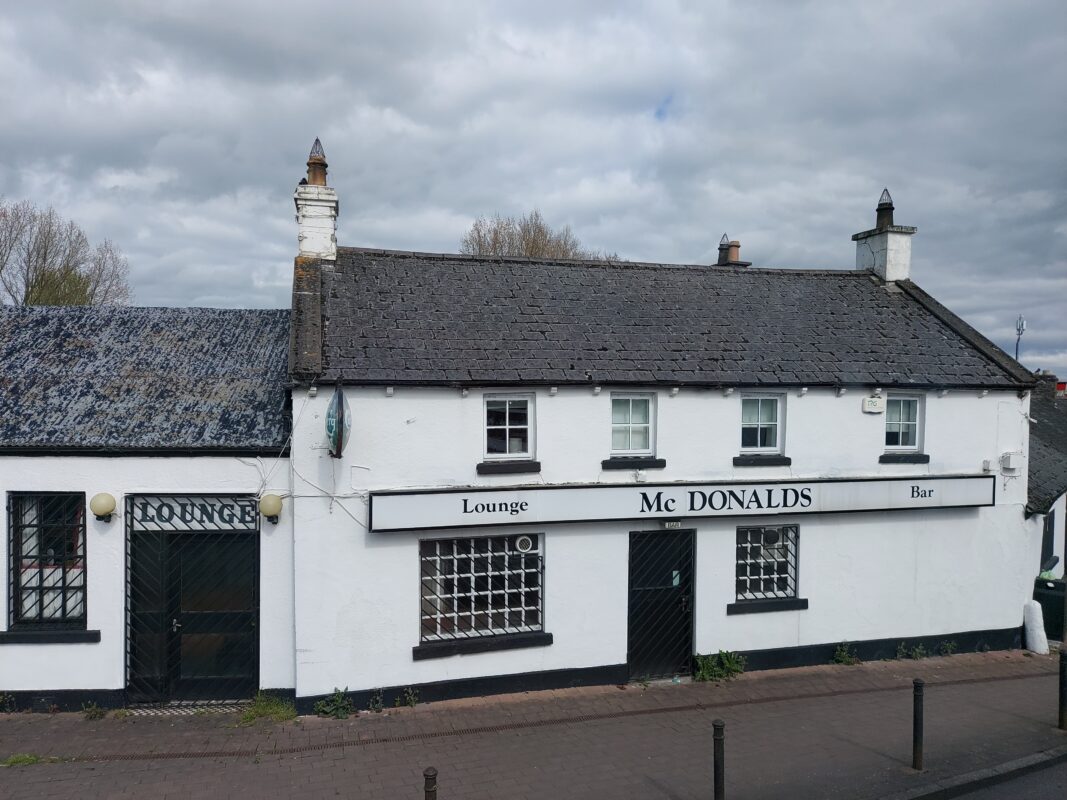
[675, 513]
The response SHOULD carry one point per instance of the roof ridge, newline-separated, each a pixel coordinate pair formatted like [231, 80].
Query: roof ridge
[594, 262]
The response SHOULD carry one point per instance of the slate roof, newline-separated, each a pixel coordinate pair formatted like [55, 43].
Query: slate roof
[395, 317]
[1048, 446]
[107, 378]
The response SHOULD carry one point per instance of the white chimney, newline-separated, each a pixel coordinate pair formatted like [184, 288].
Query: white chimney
[316, 209]
[885, 249]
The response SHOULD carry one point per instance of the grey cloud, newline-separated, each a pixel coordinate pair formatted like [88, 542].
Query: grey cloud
[178, 130]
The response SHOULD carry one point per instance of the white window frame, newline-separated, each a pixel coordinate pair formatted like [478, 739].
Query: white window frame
[530, 426]
[779, 423]
[920, 413]
[647, 451]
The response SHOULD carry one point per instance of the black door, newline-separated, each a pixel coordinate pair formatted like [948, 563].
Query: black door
[660, 635]
[193, 616]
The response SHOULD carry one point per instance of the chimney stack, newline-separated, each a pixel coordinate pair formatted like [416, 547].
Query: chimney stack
[886, 248]
[730, 253]
[316, 209]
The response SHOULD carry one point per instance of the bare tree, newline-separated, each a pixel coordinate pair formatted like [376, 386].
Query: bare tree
[47, 260]
[528, 236]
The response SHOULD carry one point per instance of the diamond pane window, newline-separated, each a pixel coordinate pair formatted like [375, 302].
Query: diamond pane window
[47, 545]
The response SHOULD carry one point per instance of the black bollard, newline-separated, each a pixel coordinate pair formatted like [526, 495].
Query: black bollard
[720, 757]
[430, 775]
[1063, 686]
[917, 725]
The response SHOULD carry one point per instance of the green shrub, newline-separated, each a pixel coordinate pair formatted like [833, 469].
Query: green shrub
[338, 705]
[845, 654]
[375, 704]
[721, 666]
[93, 712]
[947, 647]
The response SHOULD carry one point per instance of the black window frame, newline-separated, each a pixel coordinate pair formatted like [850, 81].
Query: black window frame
[17, 562]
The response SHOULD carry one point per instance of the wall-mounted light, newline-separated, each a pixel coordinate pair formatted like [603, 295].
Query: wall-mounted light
[727, 391]
[674, 391]
[596, 391]
[103, 506]
[803, 391]
[270, 506]
[553, 391]
[841, 391]
[942, 392]
[464, 392]
[984, 393]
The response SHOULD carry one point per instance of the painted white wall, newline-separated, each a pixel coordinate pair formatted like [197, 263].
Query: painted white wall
[887, 253]
[102, 665]
[865, 575]
[316, 219]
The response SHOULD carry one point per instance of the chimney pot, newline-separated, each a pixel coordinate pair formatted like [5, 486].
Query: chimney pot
[884, 211]
[317, 165]
[724, 250]
[735, 251]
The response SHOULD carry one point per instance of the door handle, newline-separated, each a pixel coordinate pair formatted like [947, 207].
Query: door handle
[685, 602]
[174, 625]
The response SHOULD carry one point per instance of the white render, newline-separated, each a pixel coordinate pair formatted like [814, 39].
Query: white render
[101, 665]
[316, 218]
[886, 252]
[866, 575]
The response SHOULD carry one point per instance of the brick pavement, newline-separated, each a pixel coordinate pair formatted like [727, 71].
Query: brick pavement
[819, 732]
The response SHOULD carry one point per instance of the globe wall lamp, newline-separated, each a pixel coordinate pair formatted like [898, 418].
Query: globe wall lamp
[103, 506]
[270, 506]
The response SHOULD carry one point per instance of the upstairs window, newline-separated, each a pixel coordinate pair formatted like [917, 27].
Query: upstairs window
[761, 428]
[47, 546]
[508, 427]
[632, 425]
[902, 422]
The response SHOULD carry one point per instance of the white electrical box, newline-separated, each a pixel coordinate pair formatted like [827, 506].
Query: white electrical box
[874, 405]
[1011, 461]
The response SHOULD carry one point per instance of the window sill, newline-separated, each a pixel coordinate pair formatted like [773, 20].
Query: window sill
[49, 637]
[763, 606]
[508, 467]
[479, 644]
[904, 458]
[757, 460]
[633, 462]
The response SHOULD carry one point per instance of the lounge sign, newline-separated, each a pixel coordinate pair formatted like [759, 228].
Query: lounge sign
[468, 508]
[194, 513]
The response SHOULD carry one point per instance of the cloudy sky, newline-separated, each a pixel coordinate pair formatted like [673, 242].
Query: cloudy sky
[179, 129]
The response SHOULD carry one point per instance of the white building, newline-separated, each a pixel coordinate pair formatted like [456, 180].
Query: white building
[1048, 469]
[556, 473]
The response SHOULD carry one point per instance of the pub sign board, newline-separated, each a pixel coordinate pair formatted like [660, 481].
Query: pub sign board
[194, 513]
[469, 508]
